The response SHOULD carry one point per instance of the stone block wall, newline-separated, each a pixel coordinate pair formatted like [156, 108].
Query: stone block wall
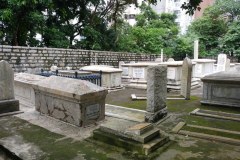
[23, 59]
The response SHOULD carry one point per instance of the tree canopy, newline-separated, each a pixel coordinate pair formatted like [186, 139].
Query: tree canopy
[217, 29]
[66, 24]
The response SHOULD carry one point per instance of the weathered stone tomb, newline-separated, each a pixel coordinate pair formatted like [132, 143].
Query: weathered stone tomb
[74, 101]
[222, 88]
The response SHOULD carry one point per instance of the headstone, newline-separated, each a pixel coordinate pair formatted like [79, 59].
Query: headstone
[156, 93]
[170, 60]
[196, 49]
[7, 101]
[120, 64]
[68, 68]
[227, 64]
[53, 68]
[186, 78]
[222, 62]
[158, 60]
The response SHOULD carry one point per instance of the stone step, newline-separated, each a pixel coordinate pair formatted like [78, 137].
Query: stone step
[154, 144]
[148, 136]
[140, 129]
[129, 144]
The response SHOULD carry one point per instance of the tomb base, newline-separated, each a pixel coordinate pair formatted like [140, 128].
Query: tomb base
[9, 106]
[154, 117]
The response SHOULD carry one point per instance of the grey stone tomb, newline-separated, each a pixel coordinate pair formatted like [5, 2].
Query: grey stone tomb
[156, 93]
[222, 88]
[74, 101]
[7, 100]
[186, 78]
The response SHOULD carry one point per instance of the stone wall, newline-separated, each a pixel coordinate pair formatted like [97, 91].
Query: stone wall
[23, 59]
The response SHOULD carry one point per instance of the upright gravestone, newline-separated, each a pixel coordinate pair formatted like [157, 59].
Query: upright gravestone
[170, 60]
[156, 93]
[186, 78]
[222, 62]
[7, 101]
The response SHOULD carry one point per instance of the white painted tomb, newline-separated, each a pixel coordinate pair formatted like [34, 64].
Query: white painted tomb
[23, 86]
[203, 67]
[111, 77]
[137, 76]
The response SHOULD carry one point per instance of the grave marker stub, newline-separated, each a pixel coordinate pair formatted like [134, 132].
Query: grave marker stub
[7, 101]
[156, 93]
[186, 78]
[222, 62]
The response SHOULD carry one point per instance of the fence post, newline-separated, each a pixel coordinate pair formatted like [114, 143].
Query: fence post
[76, 74]
[100, 78]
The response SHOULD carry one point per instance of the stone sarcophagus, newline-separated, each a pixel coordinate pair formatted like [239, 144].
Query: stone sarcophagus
[74, 101]
[222, 88]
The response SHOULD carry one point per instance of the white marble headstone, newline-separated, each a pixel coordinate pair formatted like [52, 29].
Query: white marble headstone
[186, 78]
[6, 81]
[170, 60]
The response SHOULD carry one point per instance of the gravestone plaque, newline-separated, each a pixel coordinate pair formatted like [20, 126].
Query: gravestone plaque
[7, 101]
[186, 78]
[138, 72]
[125, 71]
[171, 73]
[93, 111]
[222, 62]
[156, 93]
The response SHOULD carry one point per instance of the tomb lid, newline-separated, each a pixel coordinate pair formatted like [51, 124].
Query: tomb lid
[73, 71]
[72, 88]
[141, 64]
[28, 78]
[203, 60]
[97, 68]
[224, 76]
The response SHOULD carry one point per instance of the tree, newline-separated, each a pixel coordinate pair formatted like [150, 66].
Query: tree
[152, 33]
[231, 41]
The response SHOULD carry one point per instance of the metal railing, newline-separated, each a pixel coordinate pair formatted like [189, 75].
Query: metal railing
[93, 78]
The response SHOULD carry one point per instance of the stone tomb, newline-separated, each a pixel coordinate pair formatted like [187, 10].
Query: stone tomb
[137, 74]
[23, 88]
[74, 101]
[222, 88]
[203, 67]
[111, 77]
[7, 101]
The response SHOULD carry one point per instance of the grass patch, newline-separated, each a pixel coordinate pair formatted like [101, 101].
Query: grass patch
[211, 132]
[48, 141]
[212, 122]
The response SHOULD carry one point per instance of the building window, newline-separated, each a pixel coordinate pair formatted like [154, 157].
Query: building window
[176, 12]
[129, 16]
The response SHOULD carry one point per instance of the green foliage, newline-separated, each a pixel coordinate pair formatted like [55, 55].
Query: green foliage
[152, 33]
[215, 29]
[231, 40]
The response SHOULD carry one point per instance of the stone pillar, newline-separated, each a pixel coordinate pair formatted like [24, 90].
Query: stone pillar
[186, 79]
[221, 62]
[156, 93]
[7, 101]
[196, 49]
[161, 55]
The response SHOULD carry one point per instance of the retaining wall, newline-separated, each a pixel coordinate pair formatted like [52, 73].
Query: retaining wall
[24, 59]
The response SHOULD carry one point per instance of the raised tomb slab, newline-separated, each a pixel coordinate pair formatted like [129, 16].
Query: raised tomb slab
[222, 88]
[23, 85]
[73, 101]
